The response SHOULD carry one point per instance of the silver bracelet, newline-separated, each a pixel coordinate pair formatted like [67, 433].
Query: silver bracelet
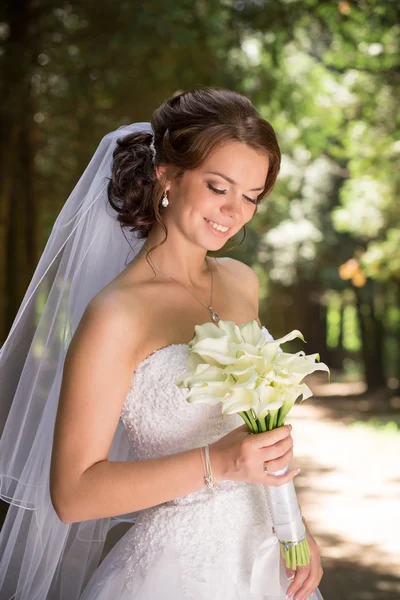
[208, 478]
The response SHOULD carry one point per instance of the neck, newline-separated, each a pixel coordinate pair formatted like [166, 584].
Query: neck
[188, 266]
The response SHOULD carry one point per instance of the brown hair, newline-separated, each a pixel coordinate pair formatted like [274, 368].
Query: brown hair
[187, 128]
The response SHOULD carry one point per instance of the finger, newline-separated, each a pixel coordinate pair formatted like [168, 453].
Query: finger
[268, 438]
[277, 480]
[281, 462]
[278, 450]
[301, 575]
[290, 573]
[308, 588]
[309, 585]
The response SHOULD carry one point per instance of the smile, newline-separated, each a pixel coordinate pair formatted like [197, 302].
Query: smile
[217, 227]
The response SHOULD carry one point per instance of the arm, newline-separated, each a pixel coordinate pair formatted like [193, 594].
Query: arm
[97, 372]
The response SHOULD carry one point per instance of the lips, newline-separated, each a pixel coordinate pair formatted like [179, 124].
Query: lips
[217, 232]
[217, 223]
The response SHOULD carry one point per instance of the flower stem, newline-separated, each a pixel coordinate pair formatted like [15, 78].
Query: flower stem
[298, 555]
[281, 417]
[261, 424]
[246, 419]
[253, 421]
[267, 421]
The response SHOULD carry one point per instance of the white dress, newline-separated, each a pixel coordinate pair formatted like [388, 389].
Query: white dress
[197, 547]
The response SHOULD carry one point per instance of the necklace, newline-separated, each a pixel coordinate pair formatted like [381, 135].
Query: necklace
[214, 315]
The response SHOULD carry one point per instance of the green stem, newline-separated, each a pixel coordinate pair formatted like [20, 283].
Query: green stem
[245, 418]
[267, 420]
[273, 414]
[261, 424]
[253, 421]
[302, 562]
[281, 417]
[298, 555]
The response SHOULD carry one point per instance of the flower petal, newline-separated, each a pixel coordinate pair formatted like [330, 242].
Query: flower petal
[252, 333]
[215, 351]
[241, 399]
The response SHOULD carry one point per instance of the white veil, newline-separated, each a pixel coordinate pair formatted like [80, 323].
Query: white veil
[41, 557]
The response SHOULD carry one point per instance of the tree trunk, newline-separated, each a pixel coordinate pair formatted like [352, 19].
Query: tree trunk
[17, 208]
[372, 336]
[298, 307]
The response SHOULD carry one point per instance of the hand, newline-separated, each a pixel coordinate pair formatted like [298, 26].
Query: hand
[307, 578]
[240, 456]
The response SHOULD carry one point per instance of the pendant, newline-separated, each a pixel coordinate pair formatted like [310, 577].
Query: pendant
[215, 317]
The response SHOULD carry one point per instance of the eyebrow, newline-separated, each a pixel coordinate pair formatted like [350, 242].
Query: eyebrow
[231, 180]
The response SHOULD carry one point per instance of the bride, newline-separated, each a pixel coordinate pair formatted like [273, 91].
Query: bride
[97, 432]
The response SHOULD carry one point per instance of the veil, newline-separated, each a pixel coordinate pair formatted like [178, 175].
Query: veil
[40, 556]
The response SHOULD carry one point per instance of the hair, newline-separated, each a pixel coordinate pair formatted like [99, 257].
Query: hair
[187, 128]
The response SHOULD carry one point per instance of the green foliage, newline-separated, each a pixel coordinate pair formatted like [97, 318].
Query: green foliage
[326, 74]
[380, 425]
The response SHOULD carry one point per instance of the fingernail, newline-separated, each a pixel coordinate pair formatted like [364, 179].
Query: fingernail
[290, 427]
[289, 595]
[297, 471]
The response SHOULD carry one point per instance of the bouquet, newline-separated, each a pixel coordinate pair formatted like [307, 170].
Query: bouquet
[249, 374]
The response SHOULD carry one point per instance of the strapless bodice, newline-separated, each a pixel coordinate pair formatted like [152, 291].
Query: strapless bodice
[156, 415]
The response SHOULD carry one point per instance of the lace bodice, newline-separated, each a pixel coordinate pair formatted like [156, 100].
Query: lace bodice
[156, 415]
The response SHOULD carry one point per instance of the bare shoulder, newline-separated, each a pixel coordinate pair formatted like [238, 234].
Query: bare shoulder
[246, 278]
[108, 319]
[108, 312]
[244, 273]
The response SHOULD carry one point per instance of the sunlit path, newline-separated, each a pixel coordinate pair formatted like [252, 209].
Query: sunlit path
[349, 491]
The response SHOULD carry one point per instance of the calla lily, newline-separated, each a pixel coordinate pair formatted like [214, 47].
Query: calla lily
[232, 330]
[240, 399]
[247, 370]
[301, 364]
[215, 350]
[203, 374]
[202, 396]
[252, 333]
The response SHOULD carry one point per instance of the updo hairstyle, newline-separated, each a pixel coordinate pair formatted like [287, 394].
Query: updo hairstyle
[187, 128]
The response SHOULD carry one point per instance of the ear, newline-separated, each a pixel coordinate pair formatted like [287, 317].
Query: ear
[162, 174]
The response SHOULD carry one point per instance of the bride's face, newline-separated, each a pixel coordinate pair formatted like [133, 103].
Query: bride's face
[223, 190]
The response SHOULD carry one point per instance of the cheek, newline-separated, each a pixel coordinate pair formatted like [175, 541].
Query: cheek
[249, 211]
[200, 200]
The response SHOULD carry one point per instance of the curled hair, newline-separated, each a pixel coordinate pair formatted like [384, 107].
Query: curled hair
[187, 128]
[133, 179]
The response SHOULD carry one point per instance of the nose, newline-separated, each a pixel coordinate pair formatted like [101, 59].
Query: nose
[231, 208]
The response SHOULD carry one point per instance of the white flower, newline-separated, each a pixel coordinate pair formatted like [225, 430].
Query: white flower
[244, 370]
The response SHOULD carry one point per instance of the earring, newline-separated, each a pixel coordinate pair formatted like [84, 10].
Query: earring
[165, 200]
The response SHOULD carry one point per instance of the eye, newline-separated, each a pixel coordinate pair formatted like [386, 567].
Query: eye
[217, 191]
[252, 200]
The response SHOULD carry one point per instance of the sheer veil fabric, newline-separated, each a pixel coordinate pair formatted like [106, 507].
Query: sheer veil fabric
[41, 557]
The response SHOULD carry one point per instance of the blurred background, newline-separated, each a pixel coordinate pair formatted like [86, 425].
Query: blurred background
[326, 243]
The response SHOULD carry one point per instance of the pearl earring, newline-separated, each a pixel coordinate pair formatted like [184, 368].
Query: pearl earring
[165, 200]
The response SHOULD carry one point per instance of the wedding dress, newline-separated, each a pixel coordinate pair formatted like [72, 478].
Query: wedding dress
[197, 547]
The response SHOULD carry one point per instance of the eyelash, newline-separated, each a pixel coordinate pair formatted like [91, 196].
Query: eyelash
[216, 191]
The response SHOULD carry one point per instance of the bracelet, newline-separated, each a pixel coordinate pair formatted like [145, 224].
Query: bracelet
[208, 478]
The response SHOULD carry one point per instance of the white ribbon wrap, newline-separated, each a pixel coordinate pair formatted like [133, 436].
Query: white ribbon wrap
[289, 527]
[285, 511]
